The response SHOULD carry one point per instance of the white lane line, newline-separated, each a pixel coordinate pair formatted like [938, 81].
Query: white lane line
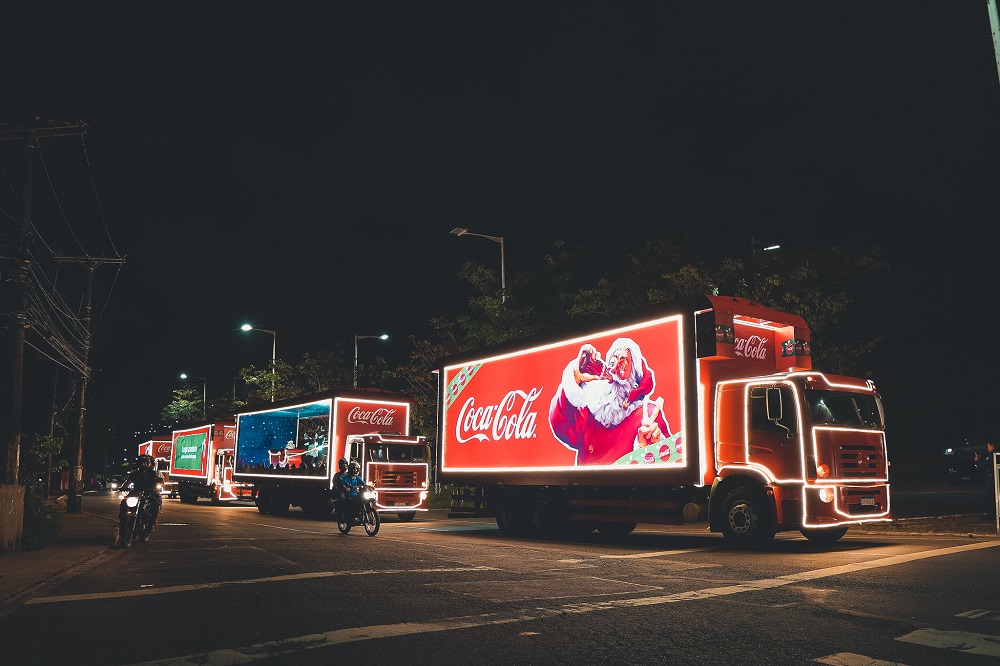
[661, 553]
[955, 641]
[250, 581]
[851, 659]
[336, 637]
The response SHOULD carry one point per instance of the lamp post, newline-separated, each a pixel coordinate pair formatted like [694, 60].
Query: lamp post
[753, 257]
[459, 231]
[204, 392]
[274, 350]
[384, 336]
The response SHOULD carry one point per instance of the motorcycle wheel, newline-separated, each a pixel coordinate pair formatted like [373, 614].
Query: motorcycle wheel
[343, 525]
[126, 532]
[372, 521]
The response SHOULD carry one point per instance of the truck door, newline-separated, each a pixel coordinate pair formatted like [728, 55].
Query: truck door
[355, 449]
[773, 436]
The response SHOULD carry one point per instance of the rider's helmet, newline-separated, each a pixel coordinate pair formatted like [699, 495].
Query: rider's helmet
[354, 468]
[342, 464]
[145, 461]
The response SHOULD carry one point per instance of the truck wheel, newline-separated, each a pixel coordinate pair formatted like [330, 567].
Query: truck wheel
[189, 499]
[824, 535]
[616, 530]
[279, 505]
[547, 515]
[405, 516]
[511, 518]
[263, 502]
[746, 522]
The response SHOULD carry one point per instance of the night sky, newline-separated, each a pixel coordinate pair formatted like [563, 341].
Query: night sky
[300, 165]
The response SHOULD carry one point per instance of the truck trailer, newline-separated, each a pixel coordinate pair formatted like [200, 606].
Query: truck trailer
[289, 451]
[708, 409]
[201, 464]
[159, 449]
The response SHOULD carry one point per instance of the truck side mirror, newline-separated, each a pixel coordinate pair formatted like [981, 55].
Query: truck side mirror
[772, 399]
[775, 408]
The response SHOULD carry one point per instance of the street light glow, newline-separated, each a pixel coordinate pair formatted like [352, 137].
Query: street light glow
[384, 336]
[274, 350]
[204, 392]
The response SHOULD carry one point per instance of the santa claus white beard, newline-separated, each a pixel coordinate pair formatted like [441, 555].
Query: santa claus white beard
[605, 398]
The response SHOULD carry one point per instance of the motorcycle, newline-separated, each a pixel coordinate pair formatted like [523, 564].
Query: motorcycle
[139, 518]
[367, 516]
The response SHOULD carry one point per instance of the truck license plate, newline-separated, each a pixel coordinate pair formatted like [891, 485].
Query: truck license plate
[867, 501]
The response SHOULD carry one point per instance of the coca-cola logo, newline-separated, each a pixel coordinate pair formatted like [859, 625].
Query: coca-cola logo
[230, 433]
[511, 418]
[375, 417]
[754, 346]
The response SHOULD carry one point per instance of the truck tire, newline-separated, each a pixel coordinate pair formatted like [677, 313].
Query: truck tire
[824, 535]
[188, 499]
[547, 515]
[746, 520]
[278, 505]
[405, 516]
[511, 514]
[263, 502]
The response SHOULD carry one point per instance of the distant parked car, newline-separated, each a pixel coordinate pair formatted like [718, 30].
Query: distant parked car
[960, 465]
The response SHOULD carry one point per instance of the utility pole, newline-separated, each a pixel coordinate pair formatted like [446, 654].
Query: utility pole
[22, 262]
[991, 10]
[74, 501]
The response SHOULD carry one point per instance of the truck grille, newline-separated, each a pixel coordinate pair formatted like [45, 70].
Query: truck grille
[861, 461]
[397, 479]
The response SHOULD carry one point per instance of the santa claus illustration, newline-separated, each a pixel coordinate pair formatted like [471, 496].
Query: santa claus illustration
[598, 409]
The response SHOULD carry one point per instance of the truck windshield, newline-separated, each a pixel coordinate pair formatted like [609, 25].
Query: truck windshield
[849, 410]
[399, 453]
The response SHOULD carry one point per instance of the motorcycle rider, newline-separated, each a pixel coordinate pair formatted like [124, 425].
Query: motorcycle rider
[338, 478]
[353, 484]
[142, 479]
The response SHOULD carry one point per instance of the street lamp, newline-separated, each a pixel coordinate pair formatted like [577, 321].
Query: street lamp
[204, 393]
[274, 350]
[459, 231]
[753, 257]
[384, 336]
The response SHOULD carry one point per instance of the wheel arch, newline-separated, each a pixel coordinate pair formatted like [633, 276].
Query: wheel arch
[724, 484]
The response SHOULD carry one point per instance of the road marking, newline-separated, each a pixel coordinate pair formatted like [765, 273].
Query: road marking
[851, 659]
[287, 646]
[209, 586]
[955, 641]
[661, 553]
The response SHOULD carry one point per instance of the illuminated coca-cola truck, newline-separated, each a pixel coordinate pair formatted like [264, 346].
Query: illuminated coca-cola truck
[159, 449]
[201, 464]
[707, 410]
[289, 451]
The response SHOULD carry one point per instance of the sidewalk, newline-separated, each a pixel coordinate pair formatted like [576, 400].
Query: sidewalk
[86, 539]
[83, 539]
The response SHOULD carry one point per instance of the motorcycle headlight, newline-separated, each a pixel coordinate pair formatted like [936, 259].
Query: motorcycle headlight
[370, 495]
[131, 501]
[159, 487]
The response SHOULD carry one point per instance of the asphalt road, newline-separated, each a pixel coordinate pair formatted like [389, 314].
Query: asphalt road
[229, 585]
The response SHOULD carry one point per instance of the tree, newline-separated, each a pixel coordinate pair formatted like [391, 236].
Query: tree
[185, 409]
